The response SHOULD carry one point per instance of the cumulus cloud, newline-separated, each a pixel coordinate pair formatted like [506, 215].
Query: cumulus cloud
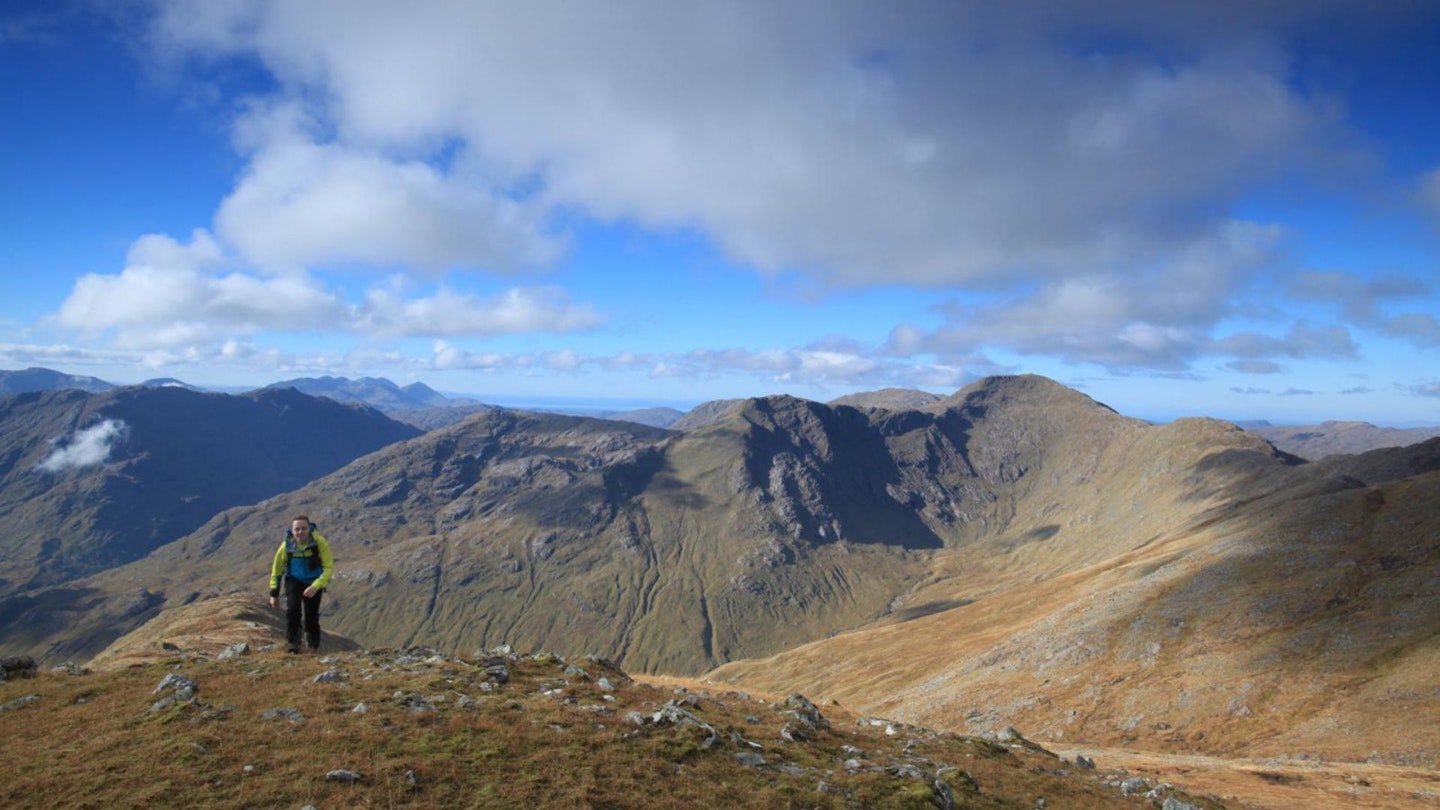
[304, 204]
[857, 144]
[1067, 174]
[1160, 319]
[170, 297]
[85, 448]
[169, 294]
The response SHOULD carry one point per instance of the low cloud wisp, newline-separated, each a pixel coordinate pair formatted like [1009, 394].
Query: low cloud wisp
[85, 448]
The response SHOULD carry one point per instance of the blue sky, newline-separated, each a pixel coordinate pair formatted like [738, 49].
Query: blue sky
[1224, 209]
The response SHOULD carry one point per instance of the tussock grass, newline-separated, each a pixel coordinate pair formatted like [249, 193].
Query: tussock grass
[440, 731]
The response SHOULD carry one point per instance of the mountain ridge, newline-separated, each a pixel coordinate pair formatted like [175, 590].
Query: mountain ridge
[90, 481]
[1016, 527]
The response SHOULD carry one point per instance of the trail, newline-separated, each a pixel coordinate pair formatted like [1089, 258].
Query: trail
[1277, 784]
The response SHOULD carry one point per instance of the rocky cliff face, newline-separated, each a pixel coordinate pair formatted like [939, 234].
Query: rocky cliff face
[1293, 618]
[777, 522]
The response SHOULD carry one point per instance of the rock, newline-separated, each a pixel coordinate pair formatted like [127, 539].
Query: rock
[233, 651]
[498, 672]
[1134, 785]
[283, 714]
[1084, 763]
[800, 707]
[184, 688]
[1172, 803]
[17, 666]
[18, 702]
[945, 794]
[329, 676]
[750, 758]
[341, 775]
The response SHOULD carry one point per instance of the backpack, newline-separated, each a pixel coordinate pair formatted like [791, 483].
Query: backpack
[313, 564]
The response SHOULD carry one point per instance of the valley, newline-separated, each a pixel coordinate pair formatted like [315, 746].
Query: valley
[1184, 598]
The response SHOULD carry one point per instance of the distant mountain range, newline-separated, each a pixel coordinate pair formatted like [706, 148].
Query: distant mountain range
[423, 407]
[1335, 438]
[43, 379]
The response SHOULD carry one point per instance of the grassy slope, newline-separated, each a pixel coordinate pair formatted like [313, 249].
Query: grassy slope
[440, 731]
[1292, 627]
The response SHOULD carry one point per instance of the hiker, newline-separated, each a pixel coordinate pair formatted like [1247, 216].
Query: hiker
[305, 564]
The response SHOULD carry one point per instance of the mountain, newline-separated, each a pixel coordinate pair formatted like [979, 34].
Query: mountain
[780, 522]
[1013, 554]
[415, 404]
[706, 413]
[44, 379]
[1289, 621]
[661, 417]
[1333, 438]
[893, 399]
[92, 481]
[376, 392]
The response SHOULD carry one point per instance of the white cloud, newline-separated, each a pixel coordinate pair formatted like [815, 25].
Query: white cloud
[451, 314]
[867, 144]
[1075, 197]
[303, 204]
[85, 448]
[169, 298]
[168, 295]
[1159, 320]
[817, 367]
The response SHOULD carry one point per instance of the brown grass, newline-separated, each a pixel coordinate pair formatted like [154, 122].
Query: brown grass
[547, 738]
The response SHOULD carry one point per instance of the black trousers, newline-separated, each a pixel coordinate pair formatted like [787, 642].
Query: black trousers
[296, 604]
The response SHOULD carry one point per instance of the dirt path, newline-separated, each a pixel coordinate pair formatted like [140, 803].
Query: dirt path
[1278, 784]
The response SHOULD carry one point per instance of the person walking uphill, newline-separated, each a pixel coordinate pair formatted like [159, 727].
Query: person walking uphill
[304, 564]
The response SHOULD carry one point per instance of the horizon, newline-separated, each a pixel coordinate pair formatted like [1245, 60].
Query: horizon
[583, 405]
[1231, 211]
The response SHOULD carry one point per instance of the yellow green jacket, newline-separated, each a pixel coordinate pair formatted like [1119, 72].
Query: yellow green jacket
[299, 559]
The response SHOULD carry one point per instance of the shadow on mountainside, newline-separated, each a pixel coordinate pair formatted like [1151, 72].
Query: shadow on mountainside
[1301, 624]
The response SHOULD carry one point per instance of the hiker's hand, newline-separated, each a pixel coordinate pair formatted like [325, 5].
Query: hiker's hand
[310, 591]
[275, 603]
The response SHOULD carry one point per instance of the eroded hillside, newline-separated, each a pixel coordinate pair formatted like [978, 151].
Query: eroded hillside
[777, 522]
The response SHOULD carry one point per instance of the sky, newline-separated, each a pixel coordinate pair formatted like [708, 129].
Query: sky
[1226, 209]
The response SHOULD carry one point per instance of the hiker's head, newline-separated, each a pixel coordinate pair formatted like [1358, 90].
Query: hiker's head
[300, 526]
